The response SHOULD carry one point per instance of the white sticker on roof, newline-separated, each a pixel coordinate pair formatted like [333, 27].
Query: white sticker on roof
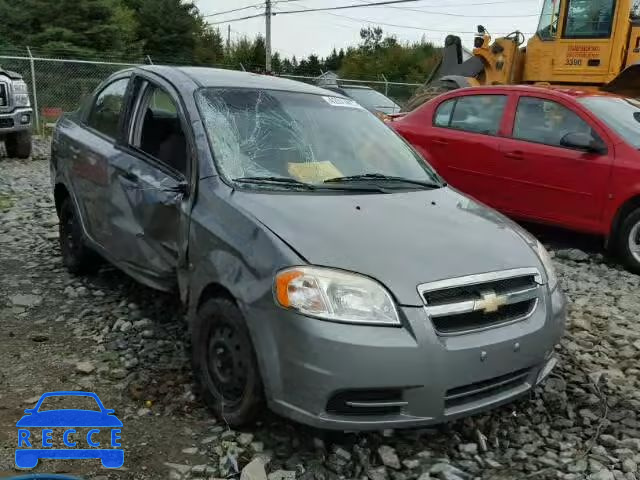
[342, 102]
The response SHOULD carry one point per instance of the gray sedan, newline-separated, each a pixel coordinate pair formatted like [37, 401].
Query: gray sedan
[327, 270]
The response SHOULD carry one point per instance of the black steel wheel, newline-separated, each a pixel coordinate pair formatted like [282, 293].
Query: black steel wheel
[225, 364]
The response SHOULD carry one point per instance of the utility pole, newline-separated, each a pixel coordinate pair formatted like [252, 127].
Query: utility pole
[228, 38]
[268, 35]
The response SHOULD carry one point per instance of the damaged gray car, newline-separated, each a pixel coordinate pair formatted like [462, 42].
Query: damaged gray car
[328, 272]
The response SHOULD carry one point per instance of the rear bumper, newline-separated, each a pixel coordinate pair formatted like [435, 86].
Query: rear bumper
[19, 120]
[310, 366]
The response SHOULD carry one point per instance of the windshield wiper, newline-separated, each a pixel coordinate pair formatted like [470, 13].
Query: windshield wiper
[293, 183]
[285, 181]
[367, 177]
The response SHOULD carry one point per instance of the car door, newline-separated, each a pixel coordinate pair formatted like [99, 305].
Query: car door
[148, 185]
[91, 147]
[465, 144]
[552, 182]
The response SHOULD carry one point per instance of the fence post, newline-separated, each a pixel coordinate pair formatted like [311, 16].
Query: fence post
[36, 110]
[386, 85]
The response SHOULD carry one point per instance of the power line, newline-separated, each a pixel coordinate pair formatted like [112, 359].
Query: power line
[237, 19]
[448, 14]
[374, 22]
[342, 7]
[234, 10]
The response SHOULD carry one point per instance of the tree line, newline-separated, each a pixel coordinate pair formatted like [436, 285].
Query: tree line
[174, 31]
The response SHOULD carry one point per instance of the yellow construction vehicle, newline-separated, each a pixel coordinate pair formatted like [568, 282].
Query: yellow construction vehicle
[589, 44]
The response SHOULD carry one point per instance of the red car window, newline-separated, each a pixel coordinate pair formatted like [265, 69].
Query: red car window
[545, 121]
[472, 113]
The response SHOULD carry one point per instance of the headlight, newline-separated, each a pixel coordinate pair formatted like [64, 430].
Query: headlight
[335, 295]
[548, 265]
[20, 93]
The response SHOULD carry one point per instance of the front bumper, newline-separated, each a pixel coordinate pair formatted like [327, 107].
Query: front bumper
[18, 120]
[426, 378]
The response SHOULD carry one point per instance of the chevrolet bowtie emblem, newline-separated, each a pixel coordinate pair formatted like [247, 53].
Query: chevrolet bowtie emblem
[490, 302]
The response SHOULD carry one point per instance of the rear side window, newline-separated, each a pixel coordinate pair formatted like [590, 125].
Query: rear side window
[546, 121]
[472, 113]
[107, 107]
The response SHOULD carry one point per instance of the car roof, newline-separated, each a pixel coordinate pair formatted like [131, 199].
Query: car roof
[216, 77]
[358, 87]
[571, 92]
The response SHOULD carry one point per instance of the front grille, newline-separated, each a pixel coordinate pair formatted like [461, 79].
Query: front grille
[473, 392]
[6, 122]
[4, 95]
[366, 402]
[472, 292]
[469, 321]
[476, 302]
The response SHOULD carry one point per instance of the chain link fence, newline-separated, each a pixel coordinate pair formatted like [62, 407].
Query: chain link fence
[60, 85]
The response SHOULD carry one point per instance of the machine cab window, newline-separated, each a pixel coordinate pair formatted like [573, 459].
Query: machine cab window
[548, 26]
[589, 18]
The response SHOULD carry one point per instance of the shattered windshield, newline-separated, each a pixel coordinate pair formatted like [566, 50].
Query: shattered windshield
[621, 114]
[305, 138]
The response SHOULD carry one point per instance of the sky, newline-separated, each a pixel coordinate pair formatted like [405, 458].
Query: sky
[319, 32]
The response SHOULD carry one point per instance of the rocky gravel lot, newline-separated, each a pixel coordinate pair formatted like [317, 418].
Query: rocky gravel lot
[128, 344]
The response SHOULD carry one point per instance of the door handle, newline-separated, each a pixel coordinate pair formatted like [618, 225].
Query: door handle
[517, 155]
[439, 141]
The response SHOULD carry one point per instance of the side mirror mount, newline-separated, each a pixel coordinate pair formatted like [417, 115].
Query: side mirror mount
[181, 188]
[109, 411]
[583, 141]
[29, 410]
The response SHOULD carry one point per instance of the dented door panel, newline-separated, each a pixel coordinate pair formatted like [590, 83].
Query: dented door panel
[145, 219]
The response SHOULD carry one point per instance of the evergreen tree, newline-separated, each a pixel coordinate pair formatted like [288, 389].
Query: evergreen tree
[168, 29]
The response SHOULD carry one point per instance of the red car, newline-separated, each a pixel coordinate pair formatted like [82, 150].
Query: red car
[558, 156]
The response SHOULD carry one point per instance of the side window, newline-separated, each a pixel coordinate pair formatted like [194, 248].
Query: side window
[589, 19]
[479, 113]
[104, 115]
[159, 132]
[443, 113]
[546, 121]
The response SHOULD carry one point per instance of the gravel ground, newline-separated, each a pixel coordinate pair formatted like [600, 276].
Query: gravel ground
[128, 344]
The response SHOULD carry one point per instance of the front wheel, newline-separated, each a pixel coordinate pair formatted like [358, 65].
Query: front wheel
[18, 144]
[628, 241]
[225, 364]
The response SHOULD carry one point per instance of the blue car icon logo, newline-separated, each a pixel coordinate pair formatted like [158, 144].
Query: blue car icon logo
[28, 452]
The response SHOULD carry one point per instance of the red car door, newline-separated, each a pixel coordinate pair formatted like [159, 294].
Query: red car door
[550, 181]
[466, 140]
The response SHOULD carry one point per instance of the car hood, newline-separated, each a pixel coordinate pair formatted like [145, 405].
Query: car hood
[69, 418]
[401, 239]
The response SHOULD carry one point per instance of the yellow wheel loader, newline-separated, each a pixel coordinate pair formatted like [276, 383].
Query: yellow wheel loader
[588, 44]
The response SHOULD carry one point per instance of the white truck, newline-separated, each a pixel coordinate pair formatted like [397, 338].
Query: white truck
[16, 115]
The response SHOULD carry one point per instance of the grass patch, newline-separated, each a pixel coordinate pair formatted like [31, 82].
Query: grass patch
[6, 202]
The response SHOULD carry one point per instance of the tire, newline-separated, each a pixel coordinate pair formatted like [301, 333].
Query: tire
[224, 363]
[628, 238]
[423, 95]
[18, 144]
[77, 257]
